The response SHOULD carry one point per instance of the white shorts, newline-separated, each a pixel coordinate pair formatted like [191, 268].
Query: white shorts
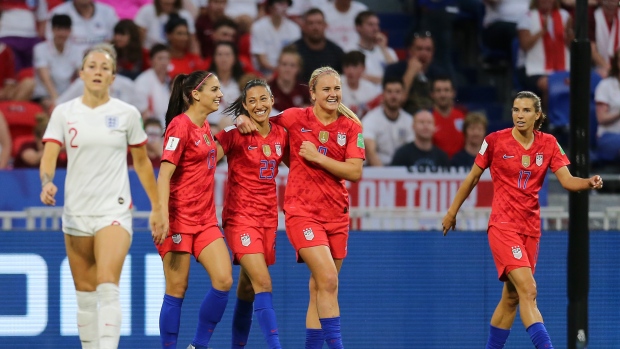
[90, 225]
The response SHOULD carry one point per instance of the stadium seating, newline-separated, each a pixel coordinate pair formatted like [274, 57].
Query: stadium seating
[21, 118]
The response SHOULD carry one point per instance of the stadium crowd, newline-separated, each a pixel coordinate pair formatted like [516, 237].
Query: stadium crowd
[418, 106]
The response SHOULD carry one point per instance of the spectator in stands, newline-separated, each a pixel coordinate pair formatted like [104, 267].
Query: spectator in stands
[605, 35]
[607, 98]
[13, 86]
[417, 71]
[225, 29]
[299, 7]
[30, 153]
[132, 58]
[285, 87]
[245, 12]
[474, 129]
[154, 147]
[205, 26]
[6, 143]
[154, 83]
[92, 22]
[56, 62]
[227, 68]
[448, 120]
[421, 152]
[388, 127]
[182, 61]
[357, 92]
[126, 9]
[544, 35]
[18, 28]
[315, 49]
[374, 45]
[500, 23]
[270, 34]
[154, 18]
[340, 17]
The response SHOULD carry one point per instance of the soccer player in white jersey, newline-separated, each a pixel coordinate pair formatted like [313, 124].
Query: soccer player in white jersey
[97, 222]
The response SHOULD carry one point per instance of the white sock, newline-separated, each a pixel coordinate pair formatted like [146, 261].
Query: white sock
[87, 319]
[110, 315]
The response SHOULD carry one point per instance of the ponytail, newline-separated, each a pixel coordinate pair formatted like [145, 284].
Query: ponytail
[181, 94]
[344, 110]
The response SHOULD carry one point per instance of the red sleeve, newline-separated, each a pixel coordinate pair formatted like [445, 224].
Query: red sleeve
[559, 158]
[287, 117]
[175, 140]
[226, 138]
[355, 143]
[485, 154]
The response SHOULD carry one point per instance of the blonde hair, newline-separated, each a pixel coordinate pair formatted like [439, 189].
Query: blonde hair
[342, 109]
[104, 48]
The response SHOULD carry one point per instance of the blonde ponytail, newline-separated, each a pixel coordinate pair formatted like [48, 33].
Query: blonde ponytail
[344, 110]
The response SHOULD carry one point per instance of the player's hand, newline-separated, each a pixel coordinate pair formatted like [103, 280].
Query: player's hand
[245, 125]
[47, 194]
[448, 222]
[308, 151]
[159, 226]
[595, 182]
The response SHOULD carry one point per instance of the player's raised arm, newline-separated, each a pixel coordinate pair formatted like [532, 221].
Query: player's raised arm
[577, 183]
[470, 182]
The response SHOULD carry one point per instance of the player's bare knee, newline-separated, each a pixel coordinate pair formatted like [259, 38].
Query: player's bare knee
[222, 283]
[245, 291]
[528, 292]
[262, 283]
[511, 299]
[176, 288]
[328, 283]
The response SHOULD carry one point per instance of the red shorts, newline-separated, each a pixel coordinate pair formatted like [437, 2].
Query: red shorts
[192, 240]
[305, 232]
[512, 250]
[244, 239]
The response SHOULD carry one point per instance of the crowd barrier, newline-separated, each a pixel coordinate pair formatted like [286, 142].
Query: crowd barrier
[409, 289]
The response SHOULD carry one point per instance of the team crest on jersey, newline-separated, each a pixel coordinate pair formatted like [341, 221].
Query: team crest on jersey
[309, 234]
[245, 240]
[342, 139]
[525, 160]
[278, 149]
[176, 238]
[206, 138]
[111, 121]
[323, 136]
[516, 252]
[539, 159]
[266, 149]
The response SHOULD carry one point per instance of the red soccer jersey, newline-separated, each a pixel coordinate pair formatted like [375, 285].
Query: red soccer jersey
[518, 175]
[250, 196]
[449, 131]
[312, 191]
[192, 149]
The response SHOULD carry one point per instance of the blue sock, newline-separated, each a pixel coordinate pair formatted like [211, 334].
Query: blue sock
[331, 332]
[169, 321]
[210, 313]
[314, 338]
[540, 337]
[263, 307]
[497, 338]
[242, 321]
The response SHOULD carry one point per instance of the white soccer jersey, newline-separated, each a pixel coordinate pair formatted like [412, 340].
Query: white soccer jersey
[388, 135]
[97, 181]
[266, 39]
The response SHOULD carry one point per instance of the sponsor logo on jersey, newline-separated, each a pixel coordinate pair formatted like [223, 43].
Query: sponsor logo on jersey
[525, 160]
[539, 159]
[508, 156]
[111, 121]
[341, 139]
[323, 137]
[561, 150]
[278, 149]
[360, 141]
[266, 149]
[121, 200]
[516, 252]
[197, 142]
[483, 147]
[304, 130]
[172, 143]
[309, 234]
[206, 138]
[176, 238]
[252, 147]
[245, 240]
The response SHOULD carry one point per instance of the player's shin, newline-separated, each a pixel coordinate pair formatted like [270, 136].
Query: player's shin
[210, 314]
[110, 315]
[263, 307]
[497, 337]
[170, 321]
[87, 319]
[242, 322]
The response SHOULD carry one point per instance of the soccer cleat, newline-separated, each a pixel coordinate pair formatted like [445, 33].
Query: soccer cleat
[191, 347]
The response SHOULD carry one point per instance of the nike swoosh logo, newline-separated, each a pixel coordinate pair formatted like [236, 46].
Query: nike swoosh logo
[508, 156]
[305, 130]
[71, 122]
[251, 147]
